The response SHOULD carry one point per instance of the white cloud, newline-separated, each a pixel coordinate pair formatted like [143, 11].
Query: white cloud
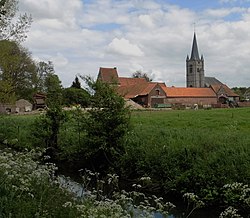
[80, 36]
[56, 11]
[223, 12]
[124, 47]
[146, 20]
[60, 60]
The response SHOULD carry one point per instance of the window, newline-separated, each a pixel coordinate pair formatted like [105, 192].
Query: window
[191, 69]
[157, 92]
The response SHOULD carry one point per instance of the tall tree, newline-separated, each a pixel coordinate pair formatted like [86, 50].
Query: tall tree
[43, 70]
[76, 83]
[53, 90]
[11, 26]
[17, 68]
[139, 74]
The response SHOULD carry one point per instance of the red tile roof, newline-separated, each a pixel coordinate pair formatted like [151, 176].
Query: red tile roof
[189, 92]
[135, 90]
[108, 75]
[131, 81]
[223, 89]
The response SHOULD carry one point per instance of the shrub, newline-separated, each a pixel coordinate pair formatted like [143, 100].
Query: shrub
[105, 126]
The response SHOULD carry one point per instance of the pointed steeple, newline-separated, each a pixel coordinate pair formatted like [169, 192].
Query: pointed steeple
[195, 52]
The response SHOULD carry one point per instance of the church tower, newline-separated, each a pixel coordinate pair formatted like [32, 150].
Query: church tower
[195, 67]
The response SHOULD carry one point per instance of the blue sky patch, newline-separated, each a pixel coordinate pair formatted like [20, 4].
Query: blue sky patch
[106, 26]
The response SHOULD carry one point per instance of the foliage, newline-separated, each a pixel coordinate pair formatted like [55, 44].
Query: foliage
[12, 27]
[31, 189]
[76, 84]
[230, 212]
[75, 96]
[105, 125]
[243, 92]
[53, 90]
[236, 194]
[139, 74]
[16, 131]
[193, 203]
[46, 130]
[17, 69]
[7, 94]
[132, 204]
[43, 71]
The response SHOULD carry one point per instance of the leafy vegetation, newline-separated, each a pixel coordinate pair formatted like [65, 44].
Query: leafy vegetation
[76, 96]
[18, 71]
[30, 189]
[104, 126]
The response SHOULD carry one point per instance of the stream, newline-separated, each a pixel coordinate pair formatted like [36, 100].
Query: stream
[178, 212]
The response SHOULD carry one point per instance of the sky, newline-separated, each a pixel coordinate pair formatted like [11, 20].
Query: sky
[152, 36]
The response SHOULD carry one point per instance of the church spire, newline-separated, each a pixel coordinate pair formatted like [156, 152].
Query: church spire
[195, 67]
[195, 52]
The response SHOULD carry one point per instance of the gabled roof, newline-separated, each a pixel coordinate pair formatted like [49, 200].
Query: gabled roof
[195, 52]
[135, 90]
[223, 90]
[212, 81]
[108, 75]
[189, 92]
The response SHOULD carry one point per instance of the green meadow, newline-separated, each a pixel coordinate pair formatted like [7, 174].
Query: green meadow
[182, 151]
[190, 151]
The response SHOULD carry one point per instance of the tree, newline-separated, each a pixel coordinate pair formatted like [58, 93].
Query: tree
[241, 91]
[76, 84]
[74, 96]
[43, 70]
[105, 125]
[139, 74]
[17, 69]
[11, 27]
[53, 89]
[7, 94]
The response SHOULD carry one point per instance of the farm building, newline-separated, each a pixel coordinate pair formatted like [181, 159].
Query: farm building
[23, 105]
[151, 94]
[39, 100]
[7, 108]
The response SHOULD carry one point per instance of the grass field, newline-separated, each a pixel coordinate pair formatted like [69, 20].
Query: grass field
[182, 151]
[190, 151]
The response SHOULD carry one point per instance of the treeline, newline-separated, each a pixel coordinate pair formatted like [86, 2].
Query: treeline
[21, 77]
[243, 92]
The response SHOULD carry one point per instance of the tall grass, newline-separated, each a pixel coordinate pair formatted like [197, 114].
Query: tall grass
[183, 151]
